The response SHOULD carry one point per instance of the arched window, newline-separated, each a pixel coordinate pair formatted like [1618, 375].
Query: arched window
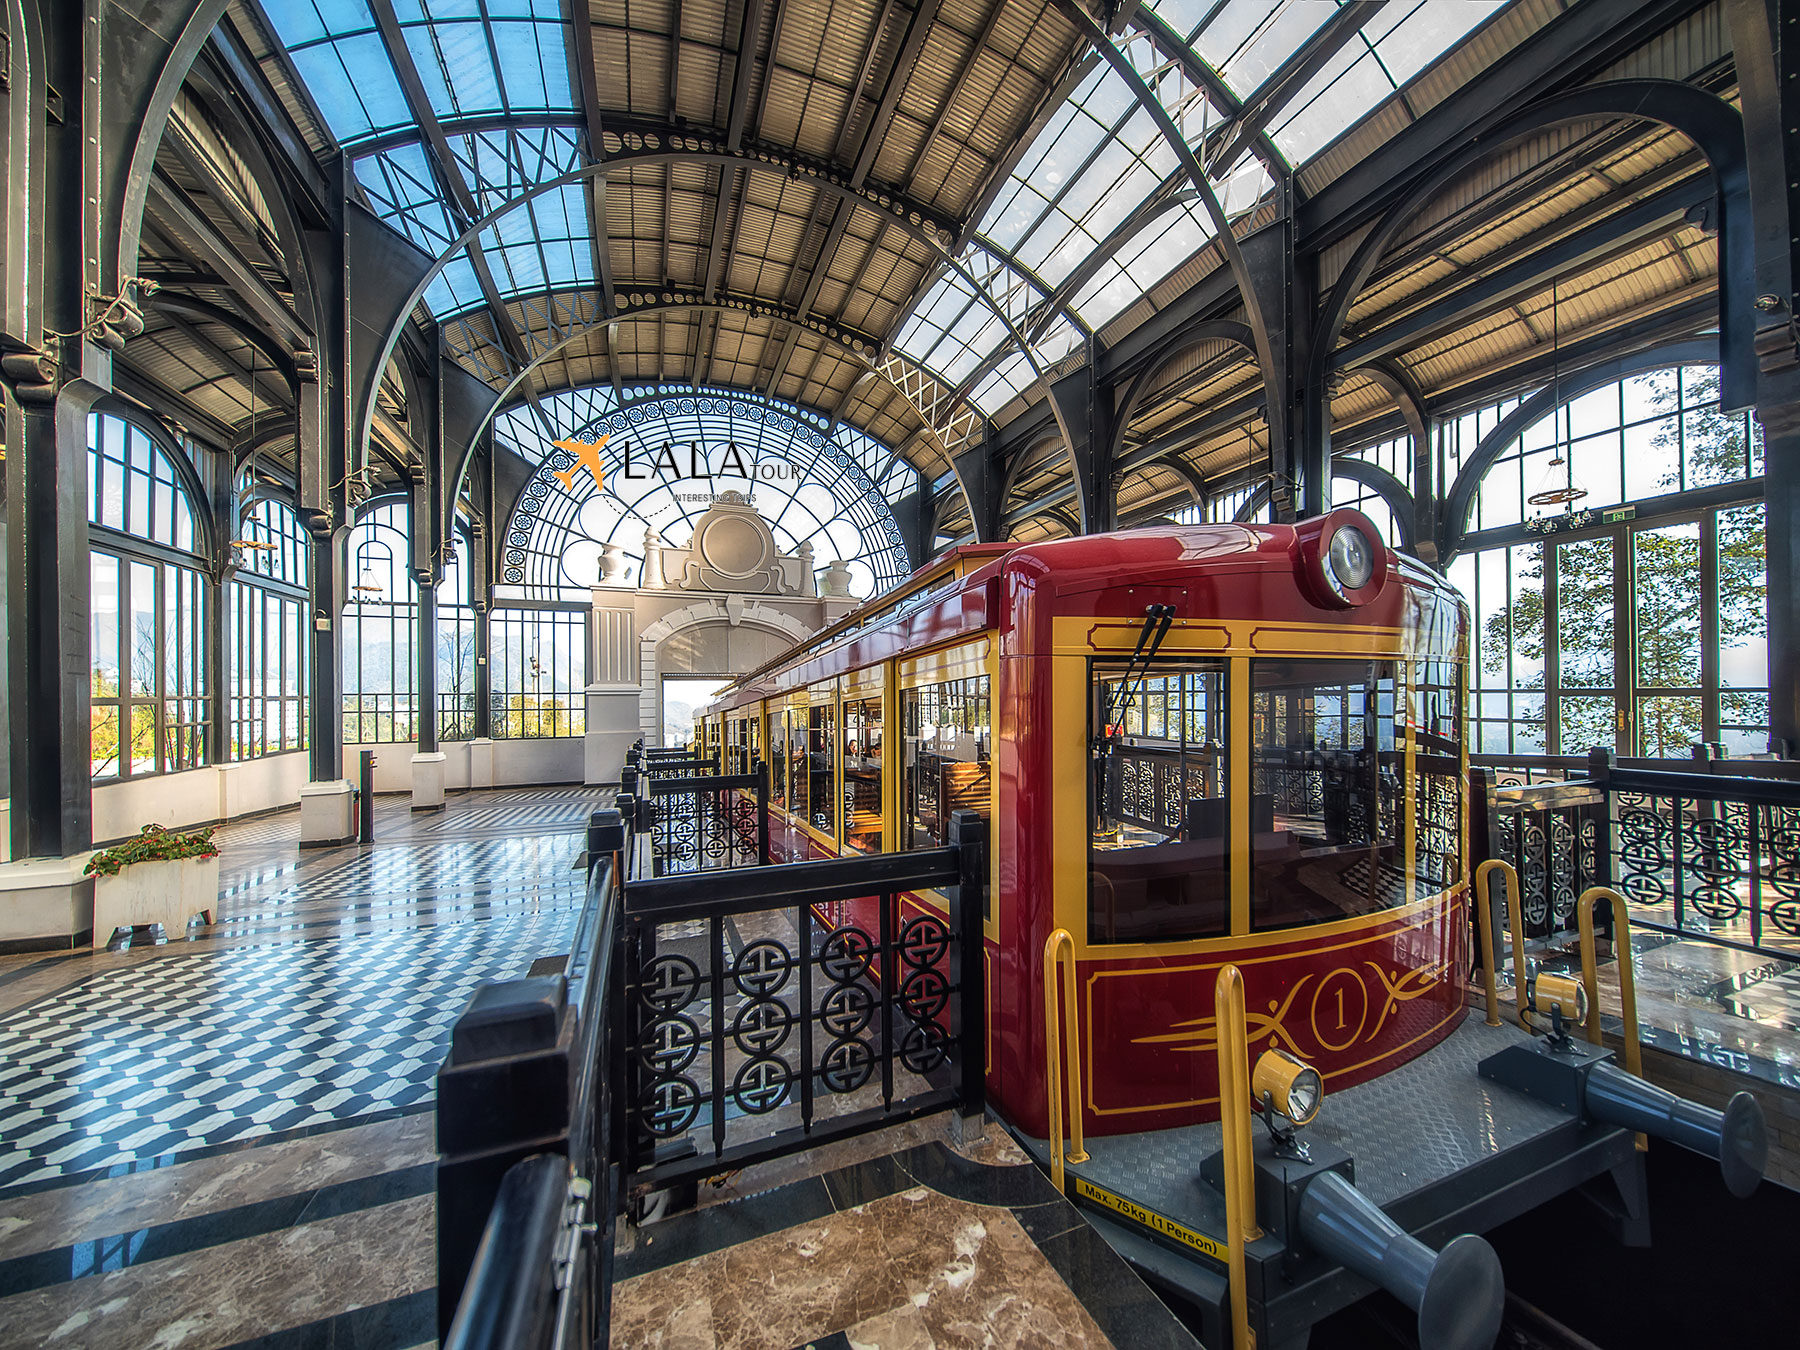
[456, 651]
[1395, 457]
[381, 632]
[266, 634]
[832, 492]
[1633, 615]
[150, 701]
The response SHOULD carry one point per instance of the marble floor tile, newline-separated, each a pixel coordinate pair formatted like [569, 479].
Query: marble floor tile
[220, 1296]
[69, 1214]
[968, 1274]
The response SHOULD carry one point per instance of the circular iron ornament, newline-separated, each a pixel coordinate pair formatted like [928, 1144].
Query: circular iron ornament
[761, 1026]
[924, 994]
[846, 1010]
[923, 941]
[1786, 915]
[673, 1042]
[1718, 903]
[1644, 888]
[670, 983]
[922, 1049]
[762, 1084]
[762, 968]
[845, 954]
[671, 1106]
[846, 1064]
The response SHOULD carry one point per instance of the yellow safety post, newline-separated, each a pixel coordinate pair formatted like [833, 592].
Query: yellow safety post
[1584, 914]
[1234, 1118]
[1515, 927]
[1055, 946]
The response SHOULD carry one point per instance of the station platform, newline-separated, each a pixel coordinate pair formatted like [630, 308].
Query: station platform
[1440, 1149]
[935, 1245]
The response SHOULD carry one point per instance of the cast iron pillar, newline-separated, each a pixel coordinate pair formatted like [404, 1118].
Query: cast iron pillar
[325, 717]
[52, 267]
[428, 696]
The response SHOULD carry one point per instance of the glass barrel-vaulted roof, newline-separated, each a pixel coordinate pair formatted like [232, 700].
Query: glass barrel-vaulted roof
[1249, 41]
[836, 499]
[1098, 196]
[476, 61]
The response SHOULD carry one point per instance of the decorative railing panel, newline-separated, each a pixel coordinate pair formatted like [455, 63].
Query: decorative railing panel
[755, 1027]
[1551, 834]
[697, 824]
[1700, 858]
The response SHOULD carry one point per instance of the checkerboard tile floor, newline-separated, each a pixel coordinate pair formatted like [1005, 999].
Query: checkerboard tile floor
[204, 1044]
[184, 1053]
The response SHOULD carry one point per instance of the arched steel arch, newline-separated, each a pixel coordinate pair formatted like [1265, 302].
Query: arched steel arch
[1277, 412]
[1709, 122]
[897, 218]
[1460, 500]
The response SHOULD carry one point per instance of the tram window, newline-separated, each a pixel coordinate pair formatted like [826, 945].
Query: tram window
[947, 758]
[1437, 768]
[1326, 774]
[821, 766]
[1159, 824]
[862, 774]
[778, 759]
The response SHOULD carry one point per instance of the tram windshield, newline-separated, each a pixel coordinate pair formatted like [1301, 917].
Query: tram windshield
[1159, 821]
[1327, 774]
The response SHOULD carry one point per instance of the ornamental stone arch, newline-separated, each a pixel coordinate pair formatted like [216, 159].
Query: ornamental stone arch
[727, 612]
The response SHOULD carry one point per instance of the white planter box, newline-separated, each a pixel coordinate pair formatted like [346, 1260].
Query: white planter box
[168, 893]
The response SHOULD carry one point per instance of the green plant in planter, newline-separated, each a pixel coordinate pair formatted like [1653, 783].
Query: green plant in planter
[153, 844]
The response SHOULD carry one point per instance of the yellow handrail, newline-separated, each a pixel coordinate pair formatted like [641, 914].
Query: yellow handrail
[1054, 947]
[1515, 927]
[1584, 915]
[1234, 1118]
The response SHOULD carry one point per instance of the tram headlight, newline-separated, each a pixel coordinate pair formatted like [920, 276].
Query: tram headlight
[1341, 560]
[1290, 1087]
[1352, 557]
[1546, 990]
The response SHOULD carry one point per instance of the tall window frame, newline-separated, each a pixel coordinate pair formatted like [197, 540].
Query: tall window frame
[380, 632]
[1642, 632]
[150, 606]
[267, 640]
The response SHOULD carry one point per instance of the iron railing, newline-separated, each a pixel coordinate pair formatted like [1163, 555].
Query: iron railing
[1700, 854]
[700, 1023]
[705, 823]
[528, 1177]
[754, 997]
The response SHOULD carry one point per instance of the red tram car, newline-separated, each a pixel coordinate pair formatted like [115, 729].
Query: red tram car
[1195, 745]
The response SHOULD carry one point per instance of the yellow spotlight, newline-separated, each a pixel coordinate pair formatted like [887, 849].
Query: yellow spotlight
[1545, 990]
[1290, 1087]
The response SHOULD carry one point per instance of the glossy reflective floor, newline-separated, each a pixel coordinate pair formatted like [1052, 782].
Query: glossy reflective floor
[226, 1140]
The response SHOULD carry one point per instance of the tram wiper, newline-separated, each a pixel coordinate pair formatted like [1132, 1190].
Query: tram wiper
[1157, 619]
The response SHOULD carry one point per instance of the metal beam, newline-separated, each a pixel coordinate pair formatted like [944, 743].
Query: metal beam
[442, 160]
[1622, 232]
[587, 79]
[917, 30]
[197, 235]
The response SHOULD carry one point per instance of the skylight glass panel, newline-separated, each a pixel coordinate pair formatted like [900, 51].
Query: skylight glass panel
[475, 63]
[1004, 384]
[402, 192]
[338, 51]
[454, 289]
[1394, 46]
[1248, 40]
